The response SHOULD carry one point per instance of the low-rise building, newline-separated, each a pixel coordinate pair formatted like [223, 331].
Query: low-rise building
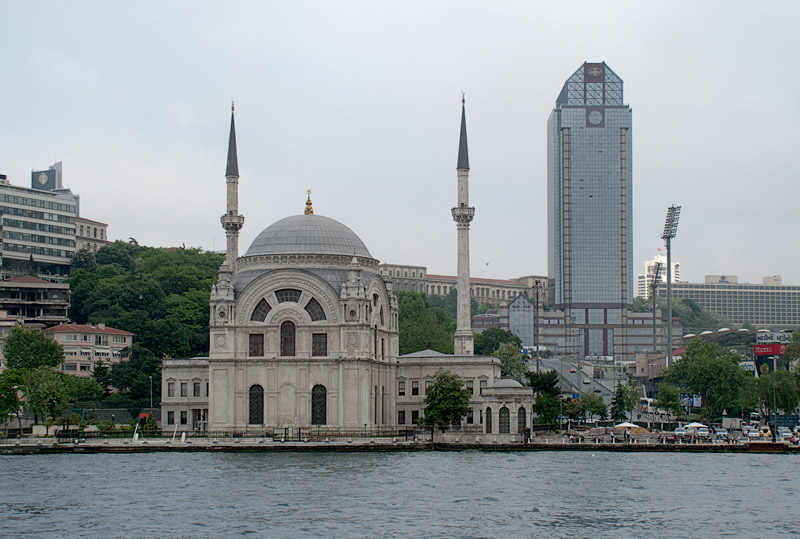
[32, 300]
[184, 394]
[85, 346]
[90, 235]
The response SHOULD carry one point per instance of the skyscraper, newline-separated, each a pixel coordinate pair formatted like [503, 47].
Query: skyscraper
[589, 209]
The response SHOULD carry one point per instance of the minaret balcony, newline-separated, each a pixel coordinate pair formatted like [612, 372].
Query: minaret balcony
[463, 214]
[232, 223]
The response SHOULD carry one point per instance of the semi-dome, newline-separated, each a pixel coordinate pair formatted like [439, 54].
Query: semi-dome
[308, 234]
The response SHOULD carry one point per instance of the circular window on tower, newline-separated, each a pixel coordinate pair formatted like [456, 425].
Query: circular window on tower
[595, 117]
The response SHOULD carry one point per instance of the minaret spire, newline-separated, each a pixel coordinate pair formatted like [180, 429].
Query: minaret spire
[462, 214]
[232, 222]
[463, 154]
[233, 160]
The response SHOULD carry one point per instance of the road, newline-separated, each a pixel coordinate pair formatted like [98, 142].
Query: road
[573, 381]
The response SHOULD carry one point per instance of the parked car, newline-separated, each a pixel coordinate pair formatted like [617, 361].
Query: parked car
[703, 433]
[721, 434]
[753, 434]
[573, 369]
[680, 432]
[764, 431]
[586, 381]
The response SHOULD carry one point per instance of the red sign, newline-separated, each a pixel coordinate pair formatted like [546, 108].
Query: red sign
[679, 351]
[768, 349]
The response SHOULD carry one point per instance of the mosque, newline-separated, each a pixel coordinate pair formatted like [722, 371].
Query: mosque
[304, 331]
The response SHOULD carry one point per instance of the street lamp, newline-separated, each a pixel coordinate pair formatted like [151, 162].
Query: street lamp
[670, 231]
[151, 392]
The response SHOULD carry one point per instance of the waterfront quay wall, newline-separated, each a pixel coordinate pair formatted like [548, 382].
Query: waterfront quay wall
[50, 446]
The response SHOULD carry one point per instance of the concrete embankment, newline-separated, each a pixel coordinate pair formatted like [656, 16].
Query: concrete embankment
[50, 446]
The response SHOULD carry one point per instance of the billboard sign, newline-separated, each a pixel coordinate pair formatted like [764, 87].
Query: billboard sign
[773, 337]
[768, 349]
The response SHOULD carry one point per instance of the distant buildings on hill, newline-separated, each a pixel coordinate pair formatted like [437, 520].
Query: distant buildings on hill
[42, 227]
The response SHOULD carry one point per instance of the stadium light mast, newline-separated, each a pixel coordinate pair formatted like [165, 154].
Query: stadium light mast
[653, 289]
[670, 231]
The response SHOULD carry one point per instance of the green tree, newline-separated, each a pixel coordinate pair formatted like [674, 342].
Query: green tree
[624, 401]
[447, 400]
[668, 398]
[512, 362]
[84, 259]
[420, 327]
[546, 409]
[591, 404]
[102, 374]
[132, 375]
[792, 351]
[544, 382]
[30, 349]
[712, 373]
[786, 391]
[489, 340]
[45, 392]
[10, 402]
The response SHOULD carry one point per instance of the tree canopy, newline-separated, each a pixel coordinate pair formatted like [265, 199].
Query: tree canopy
[693, 316]
[624, 400]
[422, 326]
[30, 349]
[490, 339]
[160, 295]
[447, 400]
[512, 361]
[711, 372]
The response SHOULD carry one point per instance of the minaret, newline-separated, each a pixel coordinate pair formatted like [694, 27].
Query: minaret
[232, 222]
[462, 215]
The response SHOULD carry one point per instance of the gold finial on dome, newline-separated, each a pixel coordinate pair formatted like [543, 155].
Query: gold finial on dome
[231, 104]
[309, 209]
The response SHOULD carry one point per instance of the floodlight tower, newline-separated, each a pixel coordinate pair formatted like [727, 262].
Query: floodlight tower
[653, 288]
[670, 231]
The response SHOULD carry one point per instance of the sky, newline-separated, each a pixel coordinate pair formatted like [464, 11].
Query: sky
[360, 102]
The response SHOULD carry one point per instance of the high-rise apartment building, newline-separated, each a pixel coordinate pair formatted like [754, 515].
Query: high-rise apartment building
[644, 281]
[589, 210]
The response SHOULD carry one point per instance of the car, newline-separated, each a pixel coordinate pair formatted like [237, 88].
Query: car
[721, 434]
[764, 431]
[796, 430]
[703, 433]
[586, 381]
[753, 434]
[573, 369]
[785, 435]
[680, 432]
[596, 390]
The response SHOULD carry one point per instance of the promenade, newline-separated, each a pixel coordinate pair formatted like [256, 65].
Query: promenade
[32, 446]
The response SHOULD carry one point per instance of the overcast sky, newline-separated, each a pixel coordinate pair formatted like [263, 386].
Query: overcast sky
[361, 101]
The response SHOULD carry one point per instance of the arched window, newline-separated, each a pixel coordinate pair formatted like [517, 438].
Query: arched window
[319, 405]
[488, 421]
[256, 415]
[314, 310]
[287, 339]
[261, 311]
[522, 420]
[288, 294]
[505, 420]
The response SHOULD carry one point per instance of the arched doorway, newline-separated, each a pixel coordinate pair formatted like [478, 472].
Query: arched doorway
[505, 420]
[256, 408]
[488, 421]
[319, 405]
[522, 420]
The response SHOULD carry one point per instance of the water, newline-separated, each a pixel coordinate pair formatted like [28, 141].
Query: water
[432, 494]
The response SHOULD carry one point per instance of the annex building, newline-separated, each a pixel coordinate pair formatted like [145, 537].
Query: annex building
[304, 331]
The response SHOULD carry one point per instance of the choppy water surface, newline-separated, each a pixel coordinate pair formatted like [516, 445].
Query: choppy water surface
[464, 494]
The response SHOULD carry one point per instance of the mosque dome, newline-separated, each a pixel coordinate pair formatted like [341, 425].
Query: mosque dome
[308, 234]
[508, 382]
